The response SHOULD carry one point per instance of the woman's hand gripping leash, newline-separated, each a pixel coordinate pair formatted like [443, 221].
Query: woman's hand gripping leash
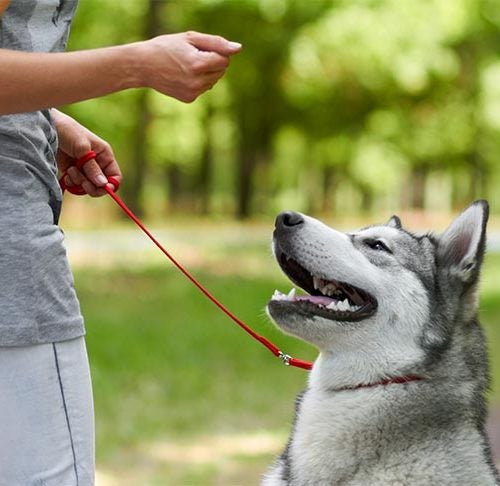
[111, 188]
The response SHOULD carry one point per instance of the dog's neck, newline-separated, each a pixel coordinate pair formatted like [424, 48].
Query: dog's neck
[337, 372]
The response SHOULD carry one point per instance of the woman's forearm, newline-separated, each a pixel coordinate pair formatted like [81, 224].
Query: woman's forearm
[30, 81]
[179, 65]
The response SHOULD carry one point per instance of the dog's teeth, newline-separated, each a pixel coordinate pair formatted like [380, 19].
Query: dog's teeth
[329, 289]
[344, 305]
[316, 282]
[278, 295]
[281, 296]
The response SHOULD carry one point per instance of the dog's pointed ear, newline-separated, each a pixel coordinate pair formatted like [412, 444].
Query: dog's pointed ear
[394, 222]
[461, 247]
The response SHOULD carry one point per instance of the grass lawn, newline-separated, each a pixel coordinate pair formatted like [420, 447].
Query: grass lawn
[182, 395]
[168, 367]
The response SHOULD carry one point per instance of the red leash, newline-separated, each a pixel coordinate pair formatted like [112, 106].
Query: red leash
[111, 189]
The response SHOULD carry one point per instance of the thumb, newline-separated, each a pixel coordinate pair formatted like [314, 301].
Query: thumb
[213, 43]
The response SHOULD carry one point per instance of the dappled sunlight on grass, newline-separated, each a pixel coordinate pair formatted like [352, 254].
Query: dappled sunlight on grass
[205, 460]
[216, 448]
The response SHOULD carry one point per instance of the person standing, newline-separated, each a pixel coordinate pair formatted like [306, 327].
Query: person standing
[46, 409]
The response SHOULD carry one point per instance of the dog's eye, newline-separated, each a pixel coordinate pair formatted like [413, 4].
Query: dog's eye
[378, 245]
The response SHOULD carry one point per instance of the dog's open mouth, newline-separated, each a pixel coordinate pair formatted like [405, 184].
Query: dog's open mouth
[331, 299]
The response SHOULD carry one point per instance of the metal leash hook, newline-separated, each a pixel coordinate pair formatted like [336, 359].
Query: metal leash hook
[285, 358]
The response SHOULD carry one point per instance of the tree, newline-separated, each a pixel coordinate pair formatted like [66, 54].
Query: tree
[331, 103]
[258, 104]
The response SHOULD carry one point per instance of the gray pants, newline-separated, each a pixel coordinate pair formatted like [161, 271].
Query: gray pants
[46, 415]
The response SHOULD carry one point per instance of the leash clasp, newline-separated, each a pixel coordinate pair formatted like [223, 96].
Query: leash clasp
[285, 358]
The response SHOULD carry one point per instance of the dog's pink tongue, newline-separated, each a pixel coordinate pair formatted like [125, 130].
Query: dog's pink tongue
[315, 299]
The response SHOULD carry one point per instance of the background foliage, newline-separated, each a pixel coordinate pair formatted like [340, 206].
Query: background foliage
[332, 105]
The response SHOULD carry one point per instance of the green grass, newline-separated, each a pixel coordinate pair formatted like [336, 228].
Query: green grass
[154, 340]
[168, 367]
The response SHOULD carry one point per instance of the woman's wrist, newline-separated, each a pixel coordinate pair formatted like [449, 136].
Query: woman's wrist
[125, 63]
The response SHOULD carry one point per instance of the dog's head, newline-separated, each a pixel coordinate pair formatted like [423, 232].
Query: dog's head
[382, 298]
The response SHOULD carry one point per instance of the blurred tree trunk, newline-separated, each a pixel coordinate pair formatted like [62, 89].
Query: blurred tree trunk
[152, 28]
[134, 186]
[203, 185]
[247, 154]
[417, 187]
[257, 128]
[173, 177]
[367, 198]
[477, 179]
[329, 182]
[246, 168]
[469, 52]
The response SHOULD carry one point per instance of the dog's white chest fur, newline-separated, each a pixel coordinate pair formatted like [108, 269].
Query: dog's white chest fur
[333, 444]
[350, 438]
[332, 455]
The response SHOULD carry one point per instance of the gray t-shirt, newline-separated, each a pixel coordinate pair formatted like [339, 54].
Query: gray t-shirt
[38, 303]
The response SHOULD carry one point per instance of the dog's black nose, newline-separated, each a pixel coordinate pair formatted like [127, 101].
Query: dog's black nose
[288, 219]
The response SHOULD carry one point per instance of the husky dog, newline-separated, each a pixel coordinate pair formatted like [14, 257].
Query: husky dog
[396, 396]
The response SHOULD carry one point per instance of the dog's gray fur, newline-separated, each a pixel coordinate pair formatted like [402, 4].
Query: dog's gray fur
[427, 432]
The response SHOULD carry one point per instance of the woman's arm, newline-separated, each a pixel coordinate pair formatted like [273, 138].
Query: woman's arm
[179, 65]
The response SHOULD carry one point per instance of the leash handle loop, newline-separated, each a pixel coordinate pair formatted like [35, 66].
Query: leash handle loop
[79, 190]
[83, 160]
[285, 358]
